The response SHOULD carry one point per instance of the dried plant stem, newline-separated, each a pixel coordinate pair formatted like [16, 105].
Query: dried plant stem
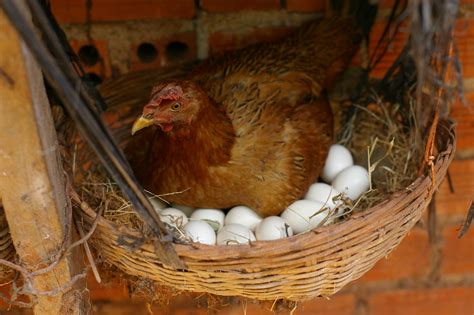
[89, 256]
[429, 158]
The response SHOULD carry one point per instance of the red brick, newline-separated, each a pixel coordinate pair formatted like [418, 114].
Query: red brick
[109, 291]
[179, 305]
[458, 254]
[462, 177]
[194, 311]
[18, 311]
[449, 301]
[188, 38]
[69, 11]
[410, 259]
[250, 308]
[222, 41]
[75, 11]
[336, 305]
[239, 5]
[305, 5]
[393, 51]
[464, 35]
[102, 68]
[128, 307]
[463, 114]
[320, 5]
[386, 4]
[6, 290]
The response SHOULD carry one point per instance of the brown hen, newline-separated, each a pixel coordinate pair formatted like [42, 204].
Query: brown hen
[250, 127]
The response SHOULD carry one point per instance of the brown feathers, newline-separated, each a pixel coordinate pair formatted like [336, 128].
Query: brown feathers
[252, 127]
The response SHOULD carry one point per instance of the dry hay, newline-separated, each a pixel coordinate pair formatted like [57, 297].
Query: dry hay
[100, 192]
[384, 138]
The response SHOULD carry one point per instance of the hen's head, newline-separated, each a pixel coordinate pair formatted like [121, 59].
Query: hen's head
[173, 104]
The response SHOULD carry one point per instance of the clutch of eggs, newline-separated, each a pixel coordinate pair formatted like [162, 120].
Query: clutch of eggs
[241, 225]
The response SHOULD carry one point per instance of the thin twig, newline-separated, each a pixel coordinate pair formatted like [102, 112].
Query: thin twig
[95, 223]
[467, 222]
[11, 302]
[89, 256]
[13, 266]
[160, 196]
[56, 291]
[432, 222]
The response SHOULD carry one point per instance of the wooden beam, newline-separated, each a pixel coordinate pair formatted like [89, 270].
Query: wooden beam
[32, 185]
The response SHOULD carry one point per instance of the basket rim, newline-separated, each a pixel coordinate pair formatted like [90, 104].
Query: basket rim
[196, 251]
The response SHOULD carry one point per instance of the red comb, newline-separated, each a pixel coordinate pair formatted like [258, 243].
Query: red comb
[167, 92]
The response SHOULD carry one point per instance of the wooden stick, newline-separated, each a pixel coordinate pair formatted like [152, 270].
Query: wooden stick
[429, 158]
[31, 183]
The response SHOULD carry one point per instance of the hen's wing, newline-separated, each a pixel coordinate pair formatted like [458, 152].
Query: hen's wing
[276, 157]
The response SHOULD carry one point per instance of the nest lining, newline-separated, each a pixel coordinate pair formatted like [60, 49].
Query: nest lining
[385, 138]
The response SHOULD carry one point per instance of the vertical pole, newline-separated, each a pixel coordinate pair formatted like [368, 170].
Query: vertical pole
[32, 185]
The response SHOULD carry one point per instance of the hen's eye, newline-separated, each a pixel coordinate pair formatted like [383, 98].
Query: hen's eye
[175, 106]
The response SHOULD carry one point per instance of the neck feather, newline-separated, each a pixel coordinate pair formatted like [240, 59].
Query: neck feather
[207, 140]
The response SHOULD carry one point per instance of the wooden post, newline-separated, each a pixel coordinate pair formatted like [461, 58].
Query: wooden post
[32, 185]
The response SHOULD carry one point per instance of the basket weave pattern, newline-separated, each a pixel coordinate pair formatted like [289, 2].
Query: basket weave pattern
[317, 263]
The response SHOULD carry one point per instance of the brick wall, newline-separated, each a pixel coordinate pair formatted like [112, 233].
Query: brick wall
[424, 275]
[120, 28]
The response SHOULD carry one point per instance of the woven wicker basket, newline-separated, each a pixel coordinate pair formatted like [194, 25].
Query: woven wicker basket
[317, 263]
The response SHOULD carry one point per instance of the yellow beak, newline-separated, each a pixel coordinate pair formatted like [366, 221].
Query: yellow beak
[141, 123]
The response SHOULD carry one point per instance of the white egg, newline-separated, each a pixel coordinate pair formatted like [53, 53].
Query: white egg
[173, 217]
[215, 217]
[338, 159]
[233, 234]
[303, 215]
[273, 228]
[323, 193]
[353, 181]
[187, 210]
[157, 204]
[200, 232]
[243, 215]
